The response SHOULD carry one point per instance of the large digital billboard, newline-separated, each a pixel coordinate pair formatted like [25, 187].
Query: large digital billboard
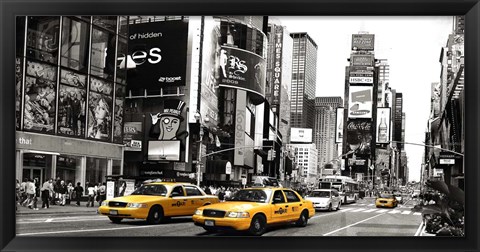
[359, 136]
[242, 69]
[383, 125]
[159, 50]
[364, 42]
[339, 126]
[360, 102]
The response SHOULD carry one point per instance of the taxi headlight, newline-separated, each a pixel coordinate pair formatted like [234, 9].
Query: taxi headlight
[238, 215]
[198, 212]
[137, 205]
[104, 203]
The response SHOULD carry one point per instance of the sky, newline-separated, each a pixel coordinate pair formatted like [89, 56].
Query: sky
[412, 46]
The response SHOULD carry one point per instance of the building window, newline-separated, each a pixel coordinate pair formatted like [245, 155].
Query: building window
[96, 170]
[67, 168]
[43, 38]
[75, 40]
[103, 60]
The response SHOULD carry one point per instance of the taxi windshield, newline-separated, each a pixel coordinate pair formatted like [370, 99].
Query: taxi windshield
[320, 194]
[158, 190]
[386, 196]
[251, 196]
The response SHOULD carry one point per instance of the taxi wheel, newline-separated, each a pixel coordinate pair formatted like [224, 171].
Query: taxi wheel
[155, 215]
[258, 226]
[115, 219]
[303, 220]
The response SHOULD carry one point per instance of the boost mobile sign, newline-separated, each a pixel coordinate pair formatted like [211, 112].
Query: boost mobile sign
[159, 50]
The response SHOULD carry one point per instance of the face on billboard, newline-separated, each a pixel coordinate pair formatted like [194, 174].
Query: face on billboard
[360, 103]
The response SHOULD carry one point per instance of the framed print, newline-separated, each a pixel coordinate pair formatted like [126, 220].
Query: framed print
[289, 126]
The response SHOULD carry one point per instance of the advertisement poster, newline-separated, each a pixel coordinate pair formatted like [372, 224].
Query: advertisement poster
[360, 102]
[99, 116]
[210, 61]
[18, 90]
[242, 69]
[360, 75]
[359, 136]
[382, 159]
[71, 111]
[40, 95]
[132, 137]
[159, 50]
[110, 190]
[339, 126]
[164, 150]
[101, 86]
[239, 155]
[383, 125]
[73, 79]
[118, 119]
[361, 60]
[301, 135]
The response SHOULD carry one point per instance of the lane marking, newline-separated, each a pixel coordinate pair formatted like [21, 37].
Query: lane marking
[48, 220]
[323, 215]
[394, 212]
[346, 209]
[417, 213]
[86, 230]
[334, 231]
[382, 210]
[370, 210]
[57, 220]
[371, 204]
[406, 212]
[420, 229]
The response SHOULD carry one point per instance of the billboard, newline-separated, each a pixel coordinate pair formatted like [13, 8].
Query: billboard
[383, 125]
[159, 50]
[360, 102]
[339, 126]
[244, 70]
[363, 42]
[302, 135]
[132, 136]
[361, 60]
[277, 67]
[359, 136]
[164, 150]
[240, 118]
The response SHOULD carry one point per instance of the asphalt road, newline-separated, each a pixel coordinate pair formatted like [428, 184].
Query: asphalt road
[358, 219]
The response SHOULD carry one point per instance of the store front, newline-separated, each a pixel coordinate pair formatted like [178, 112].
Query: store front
[72, 160]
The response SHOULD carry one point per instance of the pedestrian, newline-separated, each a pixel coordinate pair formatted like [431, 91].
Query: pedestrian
[69, 195]
[62, 191]
[208, 191]
[91, 195]
[46, 190]
[23, 194]
[56, 194]
[78, 192]
[102, 193]
[32, 199]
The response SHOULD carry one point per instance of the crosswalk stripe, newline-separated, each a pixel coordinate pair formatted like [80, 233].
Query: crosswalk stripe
[406, 212]
[371, 204]
[369, 210]
[417, 213]
[394, 212]
[358, 210]
[346, 209]
[382, 211]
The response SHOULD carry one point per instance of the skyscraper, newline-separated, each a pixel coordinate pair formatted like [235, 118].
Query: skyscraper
[304, 68]
[324, 129]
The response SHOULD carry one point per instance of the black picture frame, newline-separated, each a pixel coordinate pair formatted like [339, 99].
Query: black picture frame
[11, 8]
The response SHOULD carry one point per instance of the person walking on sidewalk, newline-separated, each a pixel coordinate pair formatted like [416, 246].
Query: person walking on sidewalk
[78, 193]
[102, 193]
[46, 190]
[91, 195]
[62, 191]
[32, 197]
[69, 193]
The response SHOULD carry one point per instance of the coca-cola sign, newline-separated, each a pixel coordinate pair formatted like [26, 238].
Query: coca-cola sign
[359, 136]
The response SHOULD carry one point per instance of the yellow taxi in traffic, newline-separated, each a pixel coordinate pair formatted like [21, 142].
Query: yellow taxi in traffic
[156, 201]
[253, 209]
[386, 200]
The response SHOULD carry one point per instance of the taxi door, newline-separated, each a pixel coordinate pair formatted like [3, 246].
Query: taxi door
[295, 205]
[177, 202]
[279, 207]
[195, 198]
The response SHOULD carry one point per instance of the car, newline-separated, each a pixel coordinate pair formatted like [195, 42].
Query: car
[253, 209]
[156, 201]
[325, 199]
[386, 200]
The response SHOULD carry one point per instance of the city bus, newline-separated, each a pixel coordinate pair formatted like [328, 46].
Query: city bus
[346, 186]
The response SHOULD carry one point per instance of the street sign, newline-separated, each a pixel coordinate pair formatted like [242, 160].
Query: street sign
[447, 161]
[244, 181]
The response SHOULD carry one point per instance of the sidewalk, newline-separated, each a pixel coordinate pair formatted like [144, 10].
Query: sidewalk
[57, 209]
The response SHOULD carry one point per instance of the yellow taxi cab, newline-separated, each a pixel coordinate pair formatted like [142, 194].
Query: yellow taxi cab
[253, 209]
[386, 200]
[156, 201]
